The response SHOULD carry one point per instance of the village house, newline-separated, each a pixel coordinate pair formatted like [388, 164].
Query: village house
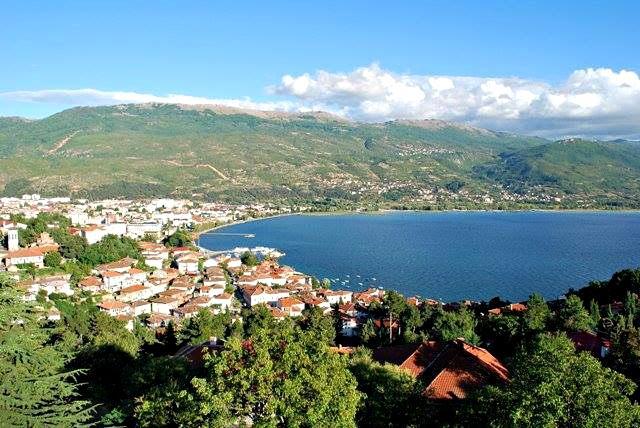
[336, 297]
[188, 264]
[158, 320]
[316, 302]
[52, 284]
[222, 302]
[186, 311]
[201, 301]
[32, 255]
[115, 281]
[114, 307]
[140, 307]
[93, 233]
[349, 325]
[122, 265]
[256, 295]
[165, 304]
[210, 290]
[134, 292]
[90, 283]
[277, 313]
[291, 306]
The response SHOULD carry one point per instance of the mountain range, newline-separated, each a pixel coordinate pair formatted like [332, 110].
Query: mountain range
[203, 152]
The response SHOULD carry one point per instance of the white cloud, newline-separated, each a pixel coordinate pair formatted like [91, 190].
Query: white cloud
[595, 102]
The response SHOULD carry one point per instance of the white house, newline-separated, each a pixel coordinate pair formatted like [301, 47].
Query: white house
[188, 264]
[114, 307]
[291, 306]
[222, 301]
[33, 255]
[140, 307]
[165, 305]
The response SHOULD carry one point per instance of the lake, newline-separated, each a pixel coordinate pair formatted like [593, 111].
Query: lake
[450, 255]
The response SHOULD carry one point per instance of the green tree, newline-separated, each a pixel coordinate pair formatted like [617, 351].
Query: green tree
[179, 238]
[109, 249]
[280, 376]
[203, 326]
[594, 312]
[52, 259]
[573, 316]
[449, 325]
[630, 305]
[249, 259]
[553, 386]
[36, 389]
[537, 315]
[368, 334]
[379, 383]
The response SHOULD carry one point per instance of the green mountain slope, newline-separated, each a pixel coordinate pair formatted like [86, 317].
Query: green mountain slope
[606, 171]
[157, 149]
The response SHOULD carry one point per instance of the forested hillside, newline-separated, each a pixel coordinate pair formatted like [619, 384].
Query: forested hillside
[244, 156]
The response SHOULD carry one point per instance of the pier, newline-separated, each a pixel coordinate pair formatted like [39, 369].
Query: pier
[245, 235]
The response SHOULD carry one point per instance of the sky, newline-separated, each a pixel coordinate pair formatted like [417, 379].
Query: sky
[554, 69]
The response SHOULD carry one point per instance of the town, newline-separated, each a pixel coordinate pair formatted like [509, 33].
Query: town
[139, 264]
[172, 283]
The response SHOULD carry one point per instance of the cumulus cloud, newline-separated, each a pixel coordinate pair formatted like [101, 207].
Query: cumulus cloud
[594, 102]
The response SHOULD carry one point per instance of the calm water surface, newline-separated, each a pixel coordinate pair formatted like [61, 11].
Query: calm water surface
[452, 255]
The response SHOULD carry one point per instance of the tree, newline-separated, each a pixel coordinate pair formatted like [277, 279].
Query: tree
[109, 249]
[537, 315]
[393, 397]
[449, 325]
[280, 376]
[594, 312]
[315, 323]
[179, 238]
[573, 316]
[203, 326]
[249, 259]
[630, 305]
[35, 387]
[368, 334]
[552, 385]
[52, 259]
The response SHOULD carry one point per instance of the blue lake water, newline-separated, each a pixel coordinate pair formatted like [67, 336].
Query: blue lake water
[450, 255]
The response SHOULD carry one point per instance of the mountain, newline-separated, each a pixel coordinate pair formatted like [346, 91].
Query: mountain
[243, 156]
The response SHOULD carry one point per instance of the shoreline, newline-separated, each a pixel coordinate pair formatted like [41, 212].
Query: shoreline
[390, 211]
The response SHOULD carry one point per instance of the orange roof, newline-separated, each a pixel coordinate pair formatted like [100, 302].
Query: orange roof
[287, 302]
[111, 274]
[25, 252]
[277, 313]
[223, 296]
[134, 271]
[119, 264]
[450, 370]
[112, 304]
[133, 289]
[90, 281]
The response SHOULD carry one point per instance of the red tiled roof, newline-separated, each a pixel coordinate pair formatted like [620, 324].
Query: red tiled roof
[112, 304]
[450, 370]
[90, 281]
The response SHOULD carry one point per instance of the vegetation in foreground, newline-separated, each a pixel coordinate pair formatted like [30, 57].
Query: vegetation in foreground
[88, 368]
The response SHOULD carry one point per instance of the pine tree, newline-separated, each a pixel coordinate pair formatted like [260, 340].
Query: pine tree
[35, 389]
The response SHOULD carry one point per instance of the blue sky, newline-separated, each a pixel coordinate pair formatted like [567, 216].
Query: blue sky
[224, 51]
